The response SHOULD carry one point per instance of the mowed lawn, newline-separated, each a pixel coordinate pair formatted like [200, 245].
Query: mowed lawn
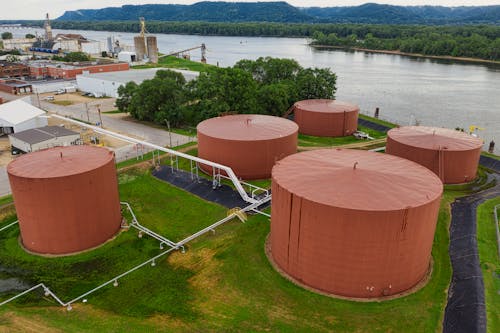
[490, 262]
[224, 282]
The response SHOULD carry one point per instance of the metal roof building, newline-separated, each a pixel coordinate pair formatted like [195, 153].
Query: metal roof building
[44, 137]
[18, 115]
[107, 84]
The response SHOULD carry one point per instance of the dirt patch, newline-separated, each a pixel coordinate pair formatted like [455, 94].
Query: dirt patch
[87, 134]
[18, 323]
[5, 155]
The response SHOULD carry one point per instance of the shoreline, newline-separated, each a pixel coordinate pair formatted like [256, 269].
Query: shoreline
[406, 54]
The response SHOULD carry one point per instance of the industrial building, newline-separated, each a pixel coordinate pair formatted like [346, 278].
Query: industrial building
[249, 144]
[13, 70]
[106, 84]
[42, 138]
[146, 46]
[326, 117]
[60, 70]
[18, 115]
[450, 154]
[66, 198]
[18, 43]
[353, 223]
[15, 87]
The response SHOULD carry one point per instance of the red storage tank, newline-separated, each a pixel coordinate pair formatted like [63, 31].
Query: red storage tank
[326, 117]
[353, 223]
[66, 198]
[450, 154]
[249, 144]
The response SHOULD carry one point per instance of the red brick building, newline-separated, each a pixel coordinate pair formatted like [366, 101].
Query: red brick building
[15, 87]
[67, 71]
[10, 69]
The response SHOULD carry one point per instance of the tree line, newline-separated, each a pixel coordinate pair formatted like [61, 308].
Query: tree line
[428, 43]
[265, 86]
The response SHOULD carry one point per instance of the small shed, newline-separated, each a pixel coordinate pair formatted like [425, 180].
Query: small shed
[127, 56]
[44, 137]
[18, 115]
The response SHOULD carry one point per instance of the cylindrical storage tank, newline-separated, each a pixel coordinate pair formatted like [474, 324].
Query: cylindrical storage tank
[326, 117]
[353, 223]
[249, 144]
[152, 49]
[450, 154]
[66, 198]
[140, 47]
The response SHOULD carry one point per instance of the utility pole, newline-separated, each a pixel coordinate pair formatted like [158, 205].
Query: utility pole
[99, 112]
[87, 109]
[169, 133]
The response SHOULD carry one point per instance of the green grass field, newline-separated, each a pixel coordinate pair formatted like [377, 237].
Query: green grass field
[490, 262]
[224, 282]
[316, 141]
[179, 63]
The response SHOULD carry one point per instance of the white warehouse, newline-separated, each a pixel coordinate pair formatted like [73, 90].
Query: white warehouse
[18, 115]
[106, 84]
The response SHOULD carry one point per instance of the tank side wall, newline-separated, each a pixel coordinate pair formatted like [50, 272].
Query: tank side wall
[326, 124]
[352, 253]
[453, 167]
[461, 166]
[68, 214]
[248, 159]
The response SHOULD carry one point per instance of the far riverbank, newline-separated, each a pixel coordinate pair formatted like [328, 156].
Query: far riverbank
[406, 54]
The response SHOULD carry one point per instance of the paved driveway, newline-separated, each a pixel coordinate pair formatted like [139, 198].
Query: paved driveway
[4, 182]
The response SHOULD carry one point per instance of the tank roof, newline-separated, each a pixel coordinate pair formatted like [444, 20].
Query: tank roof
[247, 127]
[356, 179]
[434, 138]
[326, 105]
[59, 162]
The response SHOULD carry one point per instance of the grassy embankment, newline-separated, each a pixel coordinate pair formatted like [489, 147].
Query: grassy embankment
[223, 282]
[178, 63]
[490, 262]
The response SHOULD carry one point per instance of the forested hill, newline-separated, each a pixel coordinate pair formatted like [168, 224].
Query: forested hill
[283, 12]
[201, 11]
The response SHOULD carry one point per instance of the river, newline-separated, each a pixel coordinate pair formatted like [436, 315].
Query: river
[406, 89]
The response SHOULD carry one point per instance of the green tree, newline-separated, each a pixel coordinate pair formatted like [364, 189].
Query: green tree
[125, 94]
[223, 90]
[7, 35]
[273, 99]
[76, 57]
[316, 83]
[160, 100]
[29, 36]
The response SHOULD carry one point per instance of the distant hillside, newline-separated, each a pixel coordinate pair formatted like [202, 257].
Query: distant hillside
[283, 12]
[376, 13]
[201, 11]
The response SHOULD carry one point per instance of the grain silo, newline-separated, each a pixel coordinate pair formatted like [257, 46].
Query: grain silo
[450, 154]
[152, 48]
[353, 223]
[249, 144]
[66, 198]
[140, 47]
[326, 117]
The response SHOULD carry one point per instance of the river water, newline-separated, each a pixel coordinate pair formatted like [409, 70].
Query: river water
[432, 92]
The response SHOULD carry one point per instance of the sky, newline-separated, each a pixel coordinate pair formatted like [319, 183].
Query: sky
[36, 9]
